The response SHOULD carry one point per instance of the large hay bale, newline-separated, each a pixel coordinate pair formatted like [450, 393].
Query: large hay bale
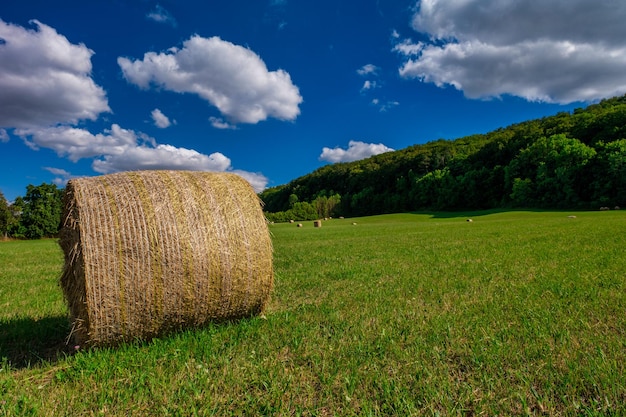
[151, 251]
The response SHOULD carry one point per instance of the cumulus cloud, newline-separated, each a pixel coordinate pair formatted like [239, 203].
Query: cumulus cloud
[232, 78]
[61, 176]
[356, 150]
[4, 136]
[554, 51]
[219, 123]
[161, 15]
[368, 69]
[409, 48]
[160, 120]
[45, 79]
[76, 143]
[257, 181]
[161, 157]
[118, 149]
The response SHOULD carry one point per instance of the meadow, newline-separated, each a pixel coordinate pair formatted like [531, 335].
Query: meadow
[514, 313]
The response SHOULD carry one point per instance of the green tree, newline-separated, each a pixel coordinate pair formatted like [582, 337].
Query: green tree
[15, 228]
[326, 206]
[554, 166]
[41, 216]
[609, 171]
[5, 216]
[293, 199]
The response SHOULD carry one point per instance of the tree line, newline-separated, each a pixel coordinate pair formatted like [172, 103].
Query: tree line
[33, 216]
[572, 160]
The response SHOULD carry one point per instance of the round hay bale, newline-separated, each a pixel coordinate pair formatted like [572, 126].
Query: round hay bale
[317, 223]
[148, 252]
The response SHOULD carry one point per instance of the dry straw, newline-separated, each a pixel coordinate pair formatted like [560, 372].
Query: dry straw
[147, 252]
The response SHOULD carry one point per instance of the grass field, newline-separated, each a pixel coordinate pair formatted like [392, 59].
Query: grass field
[515, 313]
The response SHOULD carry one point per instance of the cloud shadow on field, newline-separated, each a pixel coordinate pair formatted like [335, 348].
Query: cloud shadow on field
[475, 213]
[27, 342]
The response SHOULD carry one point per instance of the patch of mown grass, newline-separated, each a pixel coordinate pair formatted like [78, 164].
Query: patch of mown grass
[415, 314]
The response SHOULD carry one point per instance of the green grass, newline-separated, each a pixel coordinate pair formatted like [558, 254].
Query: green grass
[516, 313]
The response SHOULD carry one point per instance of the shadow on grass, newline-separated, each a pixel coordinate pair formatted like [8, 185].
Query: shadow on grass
[473, 213]
[27, 342]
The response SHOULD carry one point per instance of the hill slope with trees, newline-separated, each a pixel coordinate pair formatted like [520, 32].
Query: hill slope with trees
[571, 160]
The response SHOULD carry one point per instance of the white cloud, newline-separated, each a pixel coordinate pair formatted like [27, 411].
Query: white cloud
[408, 48]
[553, 51]
[119, 149]
[232, 78]
[75, 143]
[161, 15]
[384, 106]
[4, 135]
[173, 158]
[160, 157]
[160, 120]
[219, 123]
[368, 69]
[356, 150]
[45, 79]
[257, 181]
[62, 176]
[368, 85]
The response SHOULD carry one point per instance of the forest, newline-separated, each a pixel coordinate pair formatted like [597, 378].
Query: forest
[572, 160]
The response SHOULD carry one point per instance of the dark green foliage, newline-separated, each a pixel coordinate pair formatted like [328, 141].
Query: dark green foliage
[569, 160]
[5, 216]
[36, 215]
[321, 207]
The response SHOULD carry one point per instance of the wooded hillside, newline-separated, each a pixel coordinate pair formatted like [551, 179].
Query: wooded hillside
[570, 160]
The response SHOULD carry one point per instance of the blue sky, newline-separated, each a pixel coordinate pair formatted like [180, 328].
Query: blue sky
[273, 89]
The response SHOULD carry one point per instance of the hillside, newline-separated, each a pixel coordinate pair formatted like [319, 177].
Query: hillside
[570, 160]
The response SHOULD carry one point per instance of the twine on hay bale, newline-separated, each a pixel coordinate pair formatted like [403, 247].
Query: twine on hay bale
[148, 252]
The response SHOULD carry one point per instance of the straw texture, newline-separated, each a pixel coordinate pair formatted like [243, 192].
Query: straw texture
[148, 252]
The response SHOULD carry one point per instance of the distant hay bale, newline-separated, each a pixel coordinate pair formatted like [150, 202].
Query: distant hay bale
[317, 223]
[148, 252]
[470, 220]
[299, 224]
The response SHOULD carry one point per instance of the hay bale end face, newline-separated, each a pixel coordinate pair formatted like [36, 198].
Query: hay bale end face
[149, 252]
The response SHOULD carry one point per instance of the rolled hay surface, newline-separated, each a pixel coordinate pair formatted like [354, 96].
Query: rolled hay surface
[148, 252]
